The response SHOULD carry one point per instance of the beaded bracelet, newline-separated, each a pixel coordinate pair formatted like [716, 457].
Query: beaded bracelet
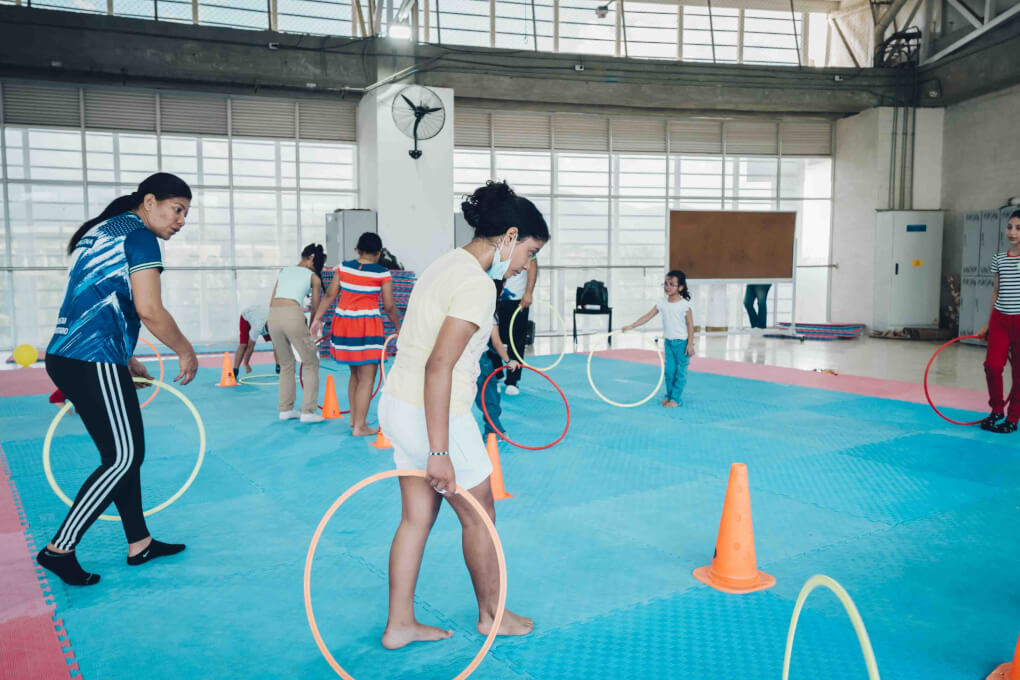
[439, 453]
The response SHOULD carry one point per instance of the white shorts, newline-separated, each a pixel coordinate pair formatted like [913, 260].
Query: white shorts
[404, 425]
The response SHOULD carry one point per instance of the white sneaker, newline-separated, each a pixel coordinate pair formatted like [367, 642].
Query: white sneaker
[311, 418]
[289, 415]
[511, 390]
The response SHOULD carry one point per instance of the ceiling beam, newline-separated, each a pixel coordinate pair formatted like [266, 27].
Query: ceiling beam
[823, 6]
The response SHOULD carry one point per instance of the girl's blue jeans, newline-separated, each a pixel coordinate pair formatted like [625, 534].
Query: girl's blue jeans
[676, 369]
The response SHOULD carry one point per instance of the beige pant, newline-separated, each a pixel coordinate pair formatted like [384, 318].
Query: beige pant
[288, 328]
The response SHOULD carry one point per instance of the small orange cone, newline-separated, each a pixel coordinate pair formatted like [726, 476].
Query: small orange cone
[734, 568]
[330, 409]
[1008, 671]
[499, 492]
[227, 372]
[382, 442]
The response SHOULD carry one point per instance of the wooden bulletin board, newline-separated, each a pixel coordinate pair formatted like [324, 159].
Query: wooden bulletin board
[714, 244]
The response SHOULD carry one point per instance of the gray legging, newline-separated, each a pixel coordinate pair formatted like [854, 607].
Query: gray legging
[760, 293]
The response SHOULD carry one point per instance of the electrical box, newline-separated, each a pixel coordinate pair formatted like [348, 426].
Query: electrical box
[343, 229]
[908, 268]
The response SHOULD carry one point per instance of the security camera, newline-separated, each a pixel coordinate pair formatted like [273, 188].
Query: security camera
[602, 11]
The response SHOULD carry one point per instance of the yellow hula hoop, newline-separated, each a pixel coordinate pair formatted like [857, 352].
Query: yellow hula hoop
[382, 357]
[851, 610]
[662, 374]
[250, 379]
[156, 352]
[563, 325]
[475, 505]
[47, 442]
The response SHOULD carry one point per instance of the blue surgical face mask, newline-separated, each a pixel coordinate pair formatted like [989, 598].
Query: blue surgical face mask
[498, 268]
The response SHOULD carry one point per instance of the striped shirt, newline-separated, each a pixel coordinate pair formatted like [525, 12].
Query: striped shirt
[1008, 268]
[360, 287]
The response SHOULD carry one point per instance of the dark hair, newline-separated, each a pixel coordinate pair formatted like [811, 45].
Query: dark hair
[389, 260]
[681, 280]
[318, 255]
[162, 185]
[494, 208]
[1016, 213]
[369, 243]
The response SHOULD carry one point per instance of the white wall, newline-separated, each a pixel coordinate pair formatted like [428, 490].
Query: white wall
[864, 149]
[412, 197]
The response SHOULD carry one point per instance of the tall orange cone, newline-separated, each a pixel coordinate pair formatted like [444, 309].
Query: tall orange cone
[1008, 671]
[330, 409]
[227, 372]
[499, 492]
[734, 568]
[382, 442]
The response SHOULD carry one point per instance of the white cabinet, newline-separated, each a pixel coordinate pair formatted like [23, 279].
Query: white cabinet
[343, 229]
[908, 267]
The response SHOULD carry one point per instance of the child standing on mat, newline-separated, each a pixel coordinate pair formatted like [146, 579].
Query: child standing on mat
[1003, 334]
[496, 355]
[678, 330]
[357, 330]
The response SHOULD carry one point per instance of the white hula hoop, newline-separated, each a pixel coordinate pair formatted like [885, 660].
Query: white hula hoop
[662, 375]
[563, 325]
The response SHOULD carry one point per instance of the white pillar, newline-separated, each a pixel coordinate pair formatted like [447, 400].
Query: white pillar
[413, 198]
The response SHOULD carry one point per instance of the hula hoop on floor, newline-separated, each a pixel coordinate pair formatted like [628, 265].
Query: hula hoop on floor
[662, 374]
[563, 325]
[485, 411]
[251, 379]
[48, 441]
[160, 359]
[851, 610]
[475, 505]
[926, 369]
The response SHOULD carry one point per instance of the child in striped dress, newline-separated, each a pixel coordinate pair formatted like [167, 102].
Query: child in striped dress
[357, 332]
[1003, 334]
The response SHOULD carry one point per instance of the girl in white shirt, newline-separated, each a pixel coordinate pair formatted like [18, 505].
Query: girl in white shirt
[678, 329]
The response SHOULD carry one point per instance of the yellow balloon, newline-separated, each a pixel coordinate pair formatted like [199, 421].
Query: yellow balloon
[25, 355]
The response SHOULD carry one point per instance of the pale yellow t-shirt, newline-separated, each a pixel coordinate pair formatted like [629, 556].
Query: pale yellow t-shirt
[454, 285]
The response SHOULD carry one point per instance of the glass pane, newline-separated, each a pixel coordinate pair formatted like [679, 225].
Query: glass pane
[6, 313]
[518, 23]
[751, 177]
[639, 175]
[696, 176]
[255, 286]
[328, 166]
[180, 156]
[37, 299]
[651, 30]
[314, 206]
[43, 217]
[322, 17]
[814, 229]
[265, 224]
[581, 231]
[806, 178]
[582, 174]
[471, 169]
[120, 156]
[202, 303]
[639, 232]
[582, 31]
[43, 154]
[205, 239]
[259, 162]
[234, 13]
[527, 173]
[461, 22]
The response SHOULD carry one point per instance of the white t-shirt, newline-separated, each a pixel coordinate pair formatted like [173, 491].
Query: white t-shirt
[674, 317]
[514, 287]
[256, 316]
[454, 285]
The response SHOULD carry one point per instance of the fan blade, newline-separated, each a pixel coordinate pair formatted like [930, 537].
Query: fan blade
[433, 110]
[409, 102]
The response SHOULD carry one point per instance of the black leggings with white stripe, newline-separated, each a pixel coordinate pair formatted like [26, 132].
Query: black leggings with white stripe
[105, 399]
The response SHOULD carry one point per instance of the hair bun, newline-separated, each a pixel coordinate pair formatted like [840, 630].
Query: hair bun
[488, 199]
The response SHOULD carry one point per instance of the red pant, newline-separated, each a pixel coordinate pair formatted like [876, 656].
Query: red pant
[1003, 344]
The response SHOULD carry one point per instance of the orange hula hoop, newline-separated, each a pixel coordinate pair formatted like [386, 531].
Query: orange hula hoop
[158, 388]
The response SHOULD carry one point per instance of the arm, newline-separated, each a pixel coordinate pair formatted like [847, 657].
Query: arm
[145, 289]
[316, 291]
[649, 315]
[983, 333]
[389, 306]
[453, 338]
[327, 300]
[501, 350]
[532, 280]
[689, 317]
[249, 349]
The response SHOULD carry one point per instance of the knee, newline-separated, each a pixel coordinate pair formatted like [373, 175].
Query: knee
[995, 365]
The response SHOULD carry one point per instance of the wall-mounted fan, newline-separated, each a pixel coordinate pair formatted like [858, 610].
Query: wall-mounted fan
[419, 114]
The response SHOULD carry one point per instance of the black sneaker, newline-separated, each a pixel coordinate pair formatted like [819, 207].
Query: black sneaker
[991, 421]
[277, 369]
[1005, 427]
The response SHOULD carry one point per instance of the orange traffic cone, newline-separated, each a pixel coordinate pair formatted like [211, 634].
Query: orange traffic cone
[499, 492]
[734, 568]
[382, 442]
[1008, 671]
[227, 372]
[330, 409]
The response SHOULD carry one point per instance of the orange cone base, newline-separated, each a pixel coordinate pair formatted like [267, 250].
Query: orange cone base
[382, 442]
[761, 582]
[1001, 673]
[501, 496]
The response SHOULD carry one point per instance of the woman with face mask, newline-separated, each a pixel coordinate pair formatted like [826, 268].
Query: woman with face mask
[426, 404]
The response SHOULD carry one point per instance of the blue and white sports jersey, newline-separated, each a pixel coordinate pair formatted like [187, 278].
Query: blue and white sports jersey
[98, 321]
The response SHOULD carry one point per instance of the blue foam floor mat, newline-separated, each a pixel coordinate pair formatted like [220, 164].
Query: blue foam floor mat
[914, 516]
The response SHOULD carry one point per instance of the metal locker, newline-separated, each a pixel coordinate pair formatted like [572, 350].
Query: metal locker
[968, 302]
[971, 245]
[990, 231]
[343, 229]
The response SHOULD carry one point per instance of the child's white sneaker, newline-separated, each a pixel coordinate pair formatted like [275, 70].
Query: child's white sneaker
[289, 415]
[311, 418]
[512, 390]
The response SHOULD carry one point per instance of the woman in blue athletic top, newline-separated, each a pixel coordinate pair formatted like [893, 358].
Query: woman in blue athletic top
[113, 286]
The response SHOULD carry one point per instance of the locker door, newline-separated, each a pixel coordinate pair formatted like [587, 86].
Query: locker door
[968, 301]
[971, 245]
[991, 228]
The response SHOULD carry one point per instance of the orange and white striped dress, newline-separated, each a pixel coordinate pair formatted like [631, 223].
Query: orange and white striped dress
[357, 333]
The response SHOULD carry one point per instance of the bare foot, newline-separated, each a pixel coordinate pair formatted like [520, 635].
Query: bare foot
[364, 431]
[664, 402]
[671, 404]
[395, 637]
[512, 624]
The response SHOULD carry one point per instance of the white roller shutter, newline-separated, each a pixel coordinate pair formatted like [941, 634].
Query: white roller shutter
[120, 110]
[263, 118]
[471, 129]
[192, 114]
[580, 133]
[751, 138]
[334, 121]
[521, 131]
[695, 136]
[806, 138]
[642, 135]
[41, 105]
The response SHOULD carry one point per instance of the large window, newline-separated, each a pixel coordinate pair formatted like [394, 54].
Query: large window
[257, 201]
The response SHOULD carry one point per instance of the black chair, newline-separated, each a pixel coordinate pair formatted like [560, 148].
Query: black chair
[591, 310]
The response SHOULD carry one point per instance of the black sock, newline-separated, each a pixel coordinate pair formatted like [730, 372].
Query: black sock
[65, 565]
[236, 372]
[277, 369]
[155, 549]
